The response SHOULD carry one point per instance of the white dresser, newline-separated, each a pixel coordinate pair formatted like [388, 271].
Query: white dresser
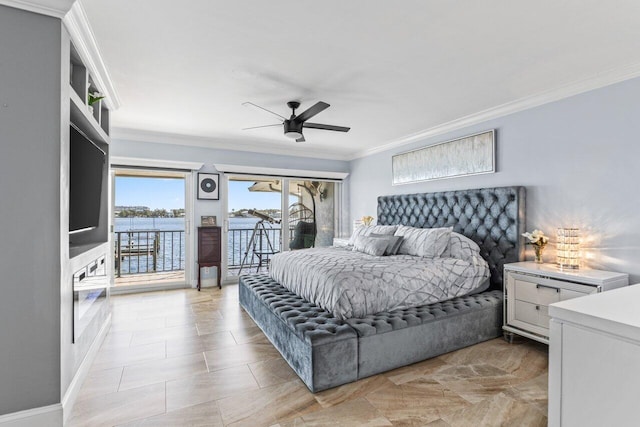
[530, 288]
[594, 360]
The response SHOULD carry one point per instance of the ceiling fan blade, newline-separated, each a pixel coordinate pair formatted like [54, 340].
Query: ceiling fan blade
[251, 104]
[264, 126]
[325, 127]
[301, 139]
[312, 111]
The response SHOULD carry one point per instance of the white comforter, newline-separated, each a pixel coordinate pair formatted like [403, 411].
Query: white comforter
[352, 284]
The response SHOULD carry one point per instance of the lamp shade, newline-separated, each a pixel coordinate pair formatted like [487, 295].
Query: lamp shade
[568, 248]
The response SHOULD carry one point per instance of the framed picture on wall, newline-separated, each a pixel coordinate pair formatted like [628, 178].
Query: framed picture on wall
[208, 186]
[208, 221]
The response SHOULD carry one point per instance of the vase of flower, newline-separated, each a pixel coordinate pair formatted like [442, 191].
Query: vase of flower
[538, 251]
[367, 220]
[538, 240]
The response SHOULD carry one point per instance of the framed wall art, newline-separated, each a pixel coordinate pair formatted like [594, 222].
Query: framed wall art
[208, 186]
[470, 155]
[208, 221]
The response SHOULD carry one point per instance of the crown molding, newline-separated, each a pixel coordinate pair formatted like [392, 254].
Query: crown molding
[279, 172]
[55, 8]
[222, 144]
[598, 81]
[120, 161]
[84, 40]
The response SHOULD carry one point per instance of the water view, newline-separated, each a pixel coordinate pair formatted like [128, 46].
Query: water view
[157, 244]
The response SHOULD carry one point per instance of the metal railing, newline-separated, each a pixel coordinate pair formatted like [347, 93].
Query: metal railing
[148, 251]
[238, 244]
[153, 251]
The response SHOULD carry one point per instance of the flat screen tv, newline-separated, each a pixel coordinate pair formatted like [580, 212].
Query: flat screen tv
[87, 163]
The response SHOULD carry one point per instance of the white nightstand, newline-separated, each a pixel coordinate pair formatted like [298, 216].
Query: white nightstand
[340, 242]
[529, 288]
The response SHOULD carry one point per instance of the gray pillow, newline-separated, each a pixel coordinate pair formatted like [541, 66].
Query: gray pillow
[393, 243]
[365, 230]
[370, 245]
[424, 242]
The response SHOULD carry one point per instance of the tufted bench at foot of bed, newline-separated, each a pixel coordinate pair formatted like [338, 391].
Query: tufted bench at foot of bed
[326, 352]
[321, 349]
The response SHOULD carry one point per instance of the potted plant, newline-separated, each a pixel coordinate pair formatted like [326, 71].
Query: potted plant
[94, 97]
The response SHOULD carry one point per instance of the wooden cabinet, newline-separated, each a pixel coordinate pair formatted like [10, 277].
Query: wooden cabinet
[210, 250]
[531, 287]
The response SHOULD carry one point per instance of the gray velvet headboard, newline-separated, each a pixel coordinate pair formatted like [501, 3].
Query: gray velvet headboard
[491, 217]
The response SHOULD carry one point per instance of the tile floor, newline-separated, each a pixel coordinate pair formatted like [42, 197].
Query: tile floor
[188, 358]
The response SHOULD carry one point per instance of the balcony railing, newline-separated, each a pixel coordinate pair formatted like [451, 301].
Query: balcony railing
[148, 251]
[153, 251]
[239, 242]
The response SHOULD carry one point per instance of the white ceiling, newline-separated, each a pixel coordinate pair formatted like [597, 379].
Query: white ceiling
[390, 70]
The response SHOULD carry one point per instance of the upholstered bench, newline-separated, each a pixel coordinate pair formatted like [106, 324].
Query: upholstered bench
[326, 352]
[401, 337]
[321, 349]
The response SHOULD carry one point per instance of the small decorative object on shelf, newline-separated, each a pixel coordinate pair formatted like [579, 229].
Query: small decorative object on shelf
[538, 240]
[94, 97]
[568, 246]
[367, 220]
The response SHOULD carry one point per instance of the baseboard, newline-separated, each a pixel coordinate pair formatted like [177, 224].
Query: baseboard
[134, 289]
[43, 416]
[70, 396]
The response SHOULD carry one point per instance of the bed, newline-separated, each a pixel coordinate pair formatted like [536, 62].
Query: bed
[327, 350]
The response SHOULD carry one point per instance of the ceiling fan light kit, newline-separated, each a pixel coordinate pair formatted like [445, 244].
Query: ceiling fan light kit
[294, 124]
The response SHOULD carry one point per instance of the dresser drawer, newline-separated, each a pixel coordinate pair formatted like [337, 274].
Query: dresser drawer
[536, 293]
[534, 314]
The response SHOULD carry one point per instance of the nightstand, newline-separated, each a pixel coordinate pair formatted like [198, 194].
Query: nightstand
[531, 287]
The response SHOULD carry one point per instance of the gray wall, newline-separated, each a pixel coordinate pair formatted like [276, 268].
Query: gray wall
[578, 159]
[29, 206]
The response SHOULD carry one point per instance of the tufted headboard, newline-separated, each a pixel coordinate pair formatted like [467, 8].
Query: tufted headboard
[491, 217]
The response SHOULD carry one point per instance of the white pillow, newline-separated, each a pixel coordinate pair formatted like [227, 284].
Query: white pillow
[365, 230]
[371, 245]
[462, 247]
[423, 242]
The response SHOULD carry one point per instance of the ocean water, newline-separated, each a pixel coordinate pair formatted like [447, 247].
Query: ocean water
[140, 233]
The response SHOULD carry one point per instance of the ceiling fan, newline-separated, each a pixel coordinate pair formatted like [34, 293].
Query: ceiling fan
[294, 124]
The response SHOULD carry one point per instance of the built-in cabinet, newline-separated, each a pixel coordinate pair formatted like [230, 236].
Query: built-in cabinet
[530, 288]
[45, 85]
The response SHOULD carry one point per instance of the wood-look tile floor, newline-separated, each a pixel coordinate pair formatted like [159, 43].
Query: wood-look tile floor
[188, 358]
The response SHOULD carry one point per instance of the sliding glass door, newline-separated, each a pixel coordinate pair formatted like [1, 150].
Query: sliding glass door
[267, 215]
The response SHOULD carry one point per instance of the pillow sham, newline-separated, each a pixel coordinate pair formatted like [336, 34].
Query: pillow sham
[365, 230]
[370, 245]
[393, 243]
[424, 242]
[462, 247]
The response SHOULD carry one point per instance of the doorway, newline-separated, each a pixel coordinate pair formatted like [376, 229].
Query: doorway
[263, 220]
[149, 229]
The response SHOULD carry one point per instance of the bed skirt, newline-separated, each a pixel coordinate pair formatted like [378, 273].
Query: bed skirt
[327, 352]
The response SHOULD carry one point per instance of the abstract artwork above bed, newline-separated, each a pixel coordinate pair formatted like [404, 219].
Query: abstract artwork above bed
[470, 155]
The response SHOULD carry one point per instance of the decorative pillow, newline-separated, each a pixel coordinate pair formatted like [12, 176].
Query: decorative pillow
[393, 243]
[462, 247]
[424, 242]
[371, 245]
[365, 230]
